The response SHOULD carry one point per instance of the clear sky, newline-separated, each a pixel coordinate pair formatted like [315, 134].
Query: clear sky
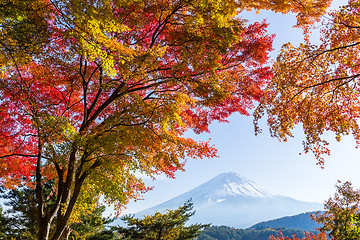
[275, 165]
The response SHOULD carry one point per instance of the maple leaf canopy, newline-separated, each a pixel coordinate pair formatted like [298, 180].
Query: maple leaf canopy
[93, 92]
[316, 86]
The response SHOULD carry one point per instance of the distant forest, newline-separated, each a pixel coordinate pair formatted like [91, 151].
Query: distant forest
[300, 221]
[228, 233]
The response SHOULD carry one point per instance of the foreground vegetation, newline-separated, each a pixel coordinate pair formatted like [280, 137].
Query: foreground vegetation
[340, 221]
[21, 223]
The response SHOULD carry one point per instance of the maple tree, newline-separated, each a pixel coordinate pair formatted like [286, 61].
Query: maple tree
[23, 29]
[316, 86]
[341, 218]
[93, 92]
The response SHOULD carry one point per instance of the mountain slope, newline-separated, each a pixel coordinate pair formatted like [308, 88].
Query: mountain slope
[300, 221]
[232, 200]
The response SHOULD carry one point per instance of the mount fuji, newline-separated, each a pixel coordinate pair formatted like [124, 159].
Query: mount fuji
[232, 200]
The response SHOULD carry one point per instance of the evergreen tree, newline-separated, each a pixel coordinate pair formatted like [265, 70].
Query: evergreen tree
[107, 234]
[170, 225]
[91, 224]
[4, 225]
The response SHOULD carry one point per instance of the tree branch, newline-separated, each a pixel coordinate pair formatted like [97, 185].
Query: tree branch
[20, 155]
[326, 82]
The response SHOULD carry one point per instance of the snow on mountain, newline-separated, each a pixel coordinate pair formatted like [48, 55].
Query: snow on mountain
[229, 184]
[232, 200]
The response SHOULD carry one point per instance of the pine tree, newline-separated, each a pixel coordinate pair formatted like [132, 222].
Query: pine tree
[170, 225]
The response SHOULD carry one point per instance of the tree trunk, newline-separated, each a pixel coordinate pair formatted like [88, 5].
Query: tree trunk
[62, 224]
[66, 233]
[43, 221]
[159, 235]
[44, 230]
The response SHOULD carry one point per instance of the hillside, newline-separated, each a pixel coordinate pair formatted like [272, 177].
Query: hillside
[300, 221]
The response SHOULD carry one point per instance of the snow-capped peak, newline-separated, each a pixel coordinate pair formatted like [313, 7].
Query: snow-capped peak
[231, 185]
[233, 200]
[222, 188]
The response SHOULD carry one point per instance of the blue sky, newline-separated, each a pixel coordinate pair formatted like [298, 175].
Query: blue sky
[277, 166]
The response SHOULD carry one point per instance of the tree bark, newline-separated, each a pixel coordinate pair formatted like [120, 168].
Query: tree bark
[66, 233]
[44, 230]
[62, 224]
[43, 221]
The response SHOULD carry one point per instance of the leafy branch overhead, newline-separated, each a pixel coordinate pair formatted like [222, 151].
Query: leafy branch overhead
[317, 85]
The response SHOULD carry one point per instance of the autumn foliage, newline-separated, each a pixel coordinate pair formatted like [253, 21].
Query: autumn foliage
[341, 219]
[93, 92]
[316, 86]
